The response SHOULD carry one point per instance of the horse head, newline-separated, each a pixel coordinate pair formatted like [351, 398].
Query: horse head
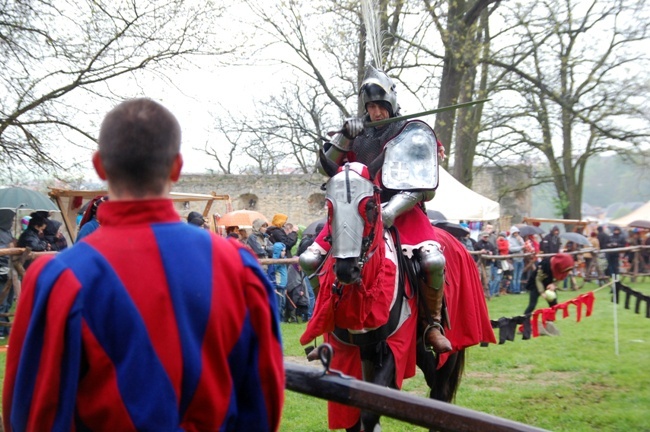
[354, 216]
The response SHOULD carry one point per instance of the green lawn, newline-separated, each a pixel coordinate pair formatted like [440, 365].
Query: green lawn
[572, 382]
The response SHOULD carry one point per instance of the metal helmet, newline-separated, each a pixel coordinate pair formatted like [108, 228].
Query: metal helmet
[378, 87]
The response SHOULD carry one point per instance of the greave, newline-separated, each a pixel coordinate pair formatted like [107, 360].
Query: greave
[433, 264]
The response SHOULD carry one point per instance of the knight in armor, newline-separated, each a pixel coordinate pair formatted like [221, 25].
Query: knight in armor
[402, 208]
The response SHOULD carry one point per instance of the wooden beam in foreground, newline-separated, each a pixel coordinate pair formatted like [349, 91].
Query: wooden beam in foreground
[400, 405]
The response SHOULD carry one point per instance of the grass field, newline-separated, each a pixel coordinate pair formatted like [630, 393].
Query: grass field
[572, 382]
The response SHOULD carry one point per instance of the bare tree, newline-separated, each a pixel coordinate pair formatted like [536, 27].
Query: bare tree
[572, 91]
[283, 133]
[56, 54]
[457, 22]
[326, 64]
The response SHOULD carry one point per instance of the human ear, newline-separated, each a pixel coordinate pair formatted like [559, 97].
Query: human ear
[99, 167]
[177, 165]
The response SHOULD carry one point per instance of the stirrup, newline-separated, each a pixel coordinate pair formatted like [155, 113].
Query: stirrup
[433, 325]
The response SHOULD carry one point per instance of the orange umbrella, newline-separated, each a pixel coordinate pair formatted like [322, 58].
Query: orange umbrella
[241, 218]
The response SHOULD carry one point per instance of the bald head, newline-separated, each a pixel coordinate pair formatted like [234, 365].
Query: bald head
[139, 145]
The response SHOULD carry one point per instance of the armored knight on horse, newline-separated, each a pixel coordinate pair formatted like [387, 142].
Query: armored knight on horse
[379, 282]
[409, 177]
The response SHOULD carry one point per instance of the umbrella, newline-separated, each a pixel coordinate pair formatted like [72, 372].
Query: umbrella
[452, 228]
[241, 218]
[575, 238]
[435, 215]
[639, 224]
[526, 230]
[311, 228]
[15, 198]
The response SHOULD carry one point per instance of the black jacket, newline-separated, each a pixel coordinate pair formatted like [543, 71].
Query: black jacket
[30, 238]
[277, 234]
[486, 245]
[550, 243]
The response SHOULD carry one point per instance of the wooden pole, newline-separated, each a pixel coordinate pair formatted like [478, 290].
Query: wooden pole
[400, 405]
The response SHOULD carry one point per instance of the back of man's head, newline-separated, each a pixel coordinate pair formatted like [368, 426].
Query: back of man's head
[138, 144]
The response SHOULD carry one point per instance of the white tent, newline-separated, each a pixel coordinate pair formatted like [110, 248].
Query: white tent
[642, 213]
[458, 202]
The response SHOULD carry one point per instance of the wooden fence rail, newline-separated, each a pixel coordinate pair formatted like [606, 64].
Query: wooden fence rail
[392, 403]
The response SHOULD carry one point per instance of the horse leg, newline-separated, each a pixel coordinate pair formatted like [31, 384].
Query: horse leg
[443, 382]
[355, 428]
[378, 368]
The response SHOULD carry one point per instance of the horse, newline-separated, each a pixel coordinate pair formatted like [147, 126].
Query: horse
[367, 306]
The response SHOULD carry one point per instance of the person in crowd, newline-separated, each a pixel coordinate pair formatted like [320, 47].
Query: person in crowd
[259, 241]
[193, 215]
[548, 271]
[603, 242]
[503, 245]
[149, 323]
[645, 253]
[243, 235]
[484, 246]
[195, 218]
[551, 242]
[468, 242]
[89, 222]
[299, 229]
[308, 239]
[531, 247]
[24, 222]
[59, 241]
[633, 239]
[515, 247]
[278, 275]
[589, 256]
[603, 237]
[232, 230]
[306, 242]
[6, 293]
[32, 237]
[535, 246]
[281, 231]
[492, 236]
[616, 240]
[503, 248]
[570, 247]
[297, 303]
[52, 233]
[197, 222]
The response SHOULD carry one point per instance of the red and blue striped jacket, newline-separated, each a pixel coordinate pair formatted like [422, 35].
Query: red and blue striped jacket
[148, 324]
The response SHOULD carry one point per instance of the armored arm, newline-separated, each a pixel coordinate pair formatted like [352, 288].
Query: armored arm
[401, 203]
[336, 149]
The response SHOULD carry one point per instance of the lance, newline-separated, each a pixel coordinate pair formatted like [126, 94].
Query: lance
[419, 114]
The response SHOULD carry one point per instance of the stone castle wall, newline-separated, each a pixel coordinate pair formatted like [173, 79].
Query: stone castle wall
[300, 196]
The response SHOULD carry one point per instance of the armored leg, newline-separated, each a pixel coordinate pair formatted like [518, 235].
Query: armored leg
[310, 261]
[432, 263]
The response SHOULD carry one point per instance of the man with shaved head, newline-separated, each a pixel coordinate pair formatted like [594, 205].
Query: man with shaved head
[148, 323]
